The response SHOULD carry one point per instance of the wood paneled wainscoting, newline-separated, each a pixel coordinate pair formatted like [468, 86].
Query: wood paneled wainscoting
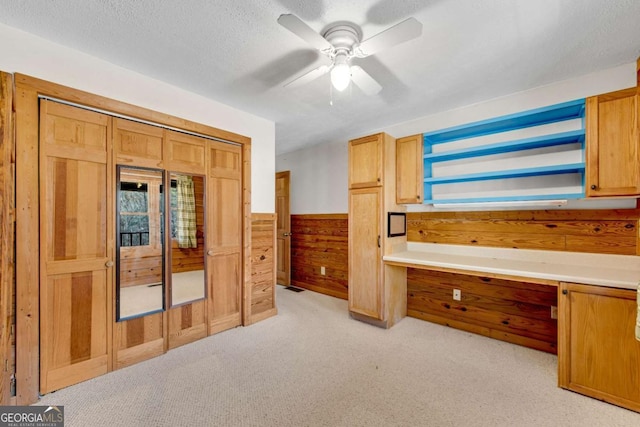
[320, 241]
[522, 311]
[262, 302]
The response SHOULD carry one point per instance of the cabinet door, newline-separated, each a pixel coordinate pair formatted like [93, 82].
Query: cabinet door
[598, 354]
[365, 162]
[613, 157]
[365, 252]
[409, 169]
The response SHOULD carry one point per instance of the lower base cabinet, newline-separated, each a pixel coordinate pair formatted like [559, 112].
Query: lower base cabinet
[598, 354]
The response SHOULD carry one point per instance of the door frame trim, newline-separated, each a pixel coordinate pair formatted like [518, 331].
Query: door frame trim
[27, 91]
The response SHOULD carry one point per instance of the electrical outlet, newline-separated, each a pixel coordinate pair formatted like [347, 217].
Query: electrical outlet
[554, 312]
[322, 270]
[457, 295]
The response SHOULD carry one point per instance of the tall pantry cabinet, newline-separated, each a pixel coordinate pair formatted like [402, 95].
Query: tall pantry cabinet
[377, 293]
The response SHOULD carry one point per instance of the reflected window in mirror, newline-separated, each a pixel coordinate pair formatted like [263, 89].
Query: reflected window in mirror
[140, 225]
[187, 226]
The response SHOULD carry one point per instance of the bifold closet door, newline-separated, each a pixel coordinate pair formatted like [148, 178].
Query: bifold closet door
[224, 235]
[76, 249]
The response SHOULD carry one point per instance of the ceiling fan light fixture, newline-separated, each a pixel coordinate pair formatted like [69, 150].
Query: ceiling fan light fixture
[341, 76]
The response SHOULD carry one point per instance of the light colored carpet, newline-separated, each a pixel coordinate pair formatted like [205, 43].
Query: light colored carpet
[314, 366]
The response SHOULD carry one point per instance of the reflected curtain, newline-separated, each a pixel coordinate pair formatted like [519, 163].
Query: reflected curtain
[186, 224]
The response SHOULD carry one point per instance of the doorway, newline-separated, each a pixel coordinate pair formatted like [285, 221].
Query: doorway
[283, 232]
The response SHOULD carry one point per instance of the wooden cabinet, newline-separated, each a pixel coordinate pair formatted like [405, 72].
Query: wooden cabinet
[377, 293]
[598, 354]
[365, 162]
[409, 170]
[613, 138]
[365, 254]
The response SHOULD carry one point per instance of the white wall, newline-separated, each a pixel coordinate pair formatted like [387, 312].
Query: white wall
[25, 53]
[314, 171]
[319, 177]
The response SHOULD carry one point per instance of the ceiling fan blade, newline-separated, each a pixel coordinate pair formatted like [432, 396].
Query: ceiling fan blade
[307, 77]
[406, 30]
[302, 30]
[364, 81]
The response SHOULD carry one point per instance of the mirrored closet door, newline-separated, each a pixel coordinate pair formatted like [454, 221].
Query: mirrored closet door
[139, 242]
[186, 222]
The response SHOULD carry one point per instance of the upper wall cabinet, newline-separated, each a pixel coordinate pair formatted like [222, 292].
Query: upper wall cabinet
[409, 170]
[365, 162]
[613, 156]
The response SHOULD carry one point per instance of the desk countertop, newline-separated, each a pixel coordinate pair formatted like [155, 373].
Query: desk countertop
[618, 271]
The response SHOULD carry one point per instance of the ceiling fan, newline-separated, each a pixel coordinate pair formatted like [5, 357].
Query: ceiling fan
[341, 42]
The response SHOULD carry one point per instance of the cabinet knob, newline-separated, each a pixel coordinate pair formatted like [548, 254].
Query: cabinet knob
[210, 252]
[108, 264]
[593, 186]
[564, 292]
[418, 197]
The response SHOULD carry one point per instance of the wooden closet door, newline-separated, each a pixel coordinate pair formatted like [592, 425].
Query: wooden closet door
[134, 340]
[224, 236]
[76, 249]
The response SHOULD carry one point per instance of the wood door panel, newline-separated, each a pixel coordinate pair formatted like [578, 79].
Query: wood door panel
[187, 323]
[76, 130]
[224, 277]
[137, 143]
[186, 153]
[138, 339]
[595, 348]
[409, 169]
[76, 199]
[225, 161]
[77, 305]
[225, 226]
[225, 302]
[613, 155]
[283, 229]
[224, 236]
[75, 225]
[365, 291]
[617, 135]
[598, 354]
[365, 162]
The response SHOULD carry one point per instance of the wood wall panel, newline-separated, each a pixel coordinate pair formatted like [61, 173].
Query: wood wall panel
[7, 236]
[263, 267]
[601, 231]
[320, 240]
[509, 310]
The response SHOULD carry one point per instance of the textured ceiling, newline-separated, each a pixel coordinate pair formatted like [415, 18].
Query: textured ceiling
[235, 52]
